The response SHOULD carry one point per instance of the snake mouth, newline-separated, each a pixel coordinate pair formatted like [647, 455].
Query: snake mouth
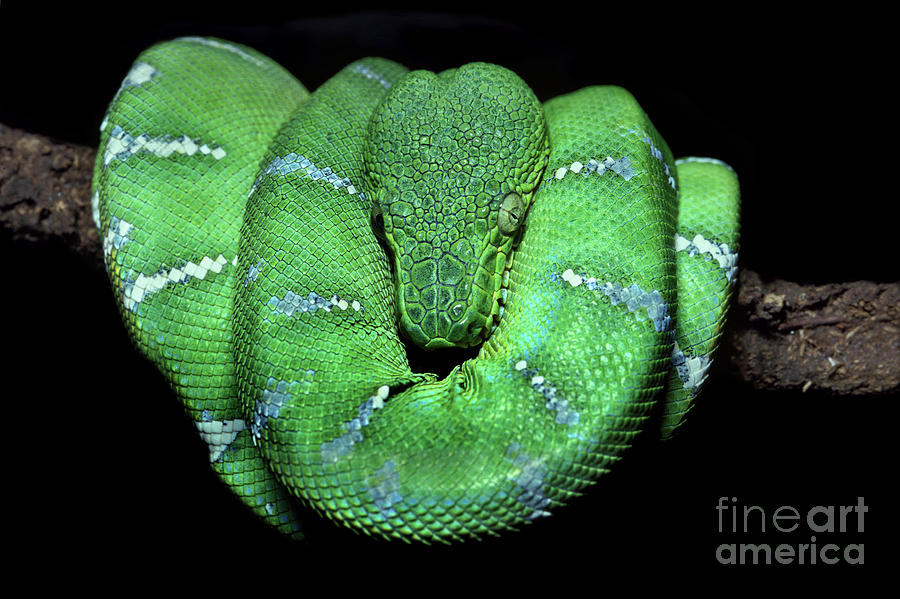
[498, 307]
[502, 294]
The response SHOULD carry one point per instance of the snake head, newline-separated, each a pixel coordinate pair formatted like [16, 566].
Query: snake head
[454, 159]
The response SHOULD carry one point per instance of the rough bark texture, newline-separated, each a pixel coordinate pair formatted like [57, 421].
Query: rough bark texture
[45, 191]
[842, 338]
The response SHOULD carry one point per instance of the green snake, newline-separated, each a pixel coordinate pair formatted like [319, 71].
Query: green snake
[273, 252]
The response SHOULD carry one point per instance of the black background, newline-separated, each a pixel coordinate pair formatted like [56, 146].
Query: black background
[107, 475]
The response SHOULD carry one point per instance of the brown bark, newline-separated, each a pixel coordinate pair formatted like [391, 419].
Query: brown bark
[841, 338]
[45, 191]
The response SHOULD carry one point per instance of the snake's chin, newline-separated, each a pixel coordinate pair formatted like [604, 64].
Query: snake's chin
[486, 330]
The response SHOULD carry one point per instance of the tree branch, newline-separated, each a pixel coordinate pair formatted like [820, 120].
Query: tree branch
[841, 338]
[45, 192]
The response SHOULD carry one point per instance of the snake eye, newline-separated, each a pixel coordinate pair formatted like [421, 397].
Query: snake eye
[511, 214]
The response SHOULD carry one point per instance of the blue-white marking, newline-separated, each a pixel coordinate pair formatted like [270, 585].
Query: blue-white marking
[294, 162]
[341, 446]
[293, 303]
[565, 414]
[384, 485]
[657, 153]
[530, 480]
[222, 46]
[140, 73]
[253, 272]
[370, 74]
[269, 405]
[634, 298]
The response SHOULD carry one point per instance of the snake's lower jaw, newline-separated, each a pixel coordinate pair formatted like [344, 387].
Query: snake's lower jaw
[462, 334]
[440, 330]
[439, 344]
[415, 333]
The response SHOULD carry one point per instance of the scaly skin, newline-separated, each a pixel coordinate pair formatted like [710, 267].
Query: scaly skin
[245, 228]
[461, 146]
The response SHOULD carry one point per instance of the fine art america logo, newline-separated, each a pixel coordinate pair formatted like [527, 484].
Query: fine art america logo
[818, 535]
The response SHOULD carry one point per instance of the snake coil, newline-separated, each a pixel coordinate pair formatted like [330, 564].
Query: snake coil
[236, 212]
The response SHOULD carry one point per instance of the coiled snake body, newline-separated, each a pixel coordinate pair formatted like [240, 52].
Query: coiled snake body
[270, 250]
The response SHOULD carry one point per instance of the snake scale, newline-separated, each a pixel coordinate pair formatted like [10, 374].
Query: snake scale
[272, 251]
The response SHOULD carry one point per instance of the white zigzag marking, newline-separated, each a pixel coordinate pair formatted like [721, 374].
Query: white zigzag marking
[116, 236]
[720, 252]
[621, 167]
[95, 208]
[219, 434]
[122, 145]
[691, 370]
[144, 286]
[140, 73]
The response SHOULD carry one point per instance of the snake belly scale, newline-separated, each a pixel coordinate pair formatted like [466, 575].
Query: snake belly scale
[272, 251]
